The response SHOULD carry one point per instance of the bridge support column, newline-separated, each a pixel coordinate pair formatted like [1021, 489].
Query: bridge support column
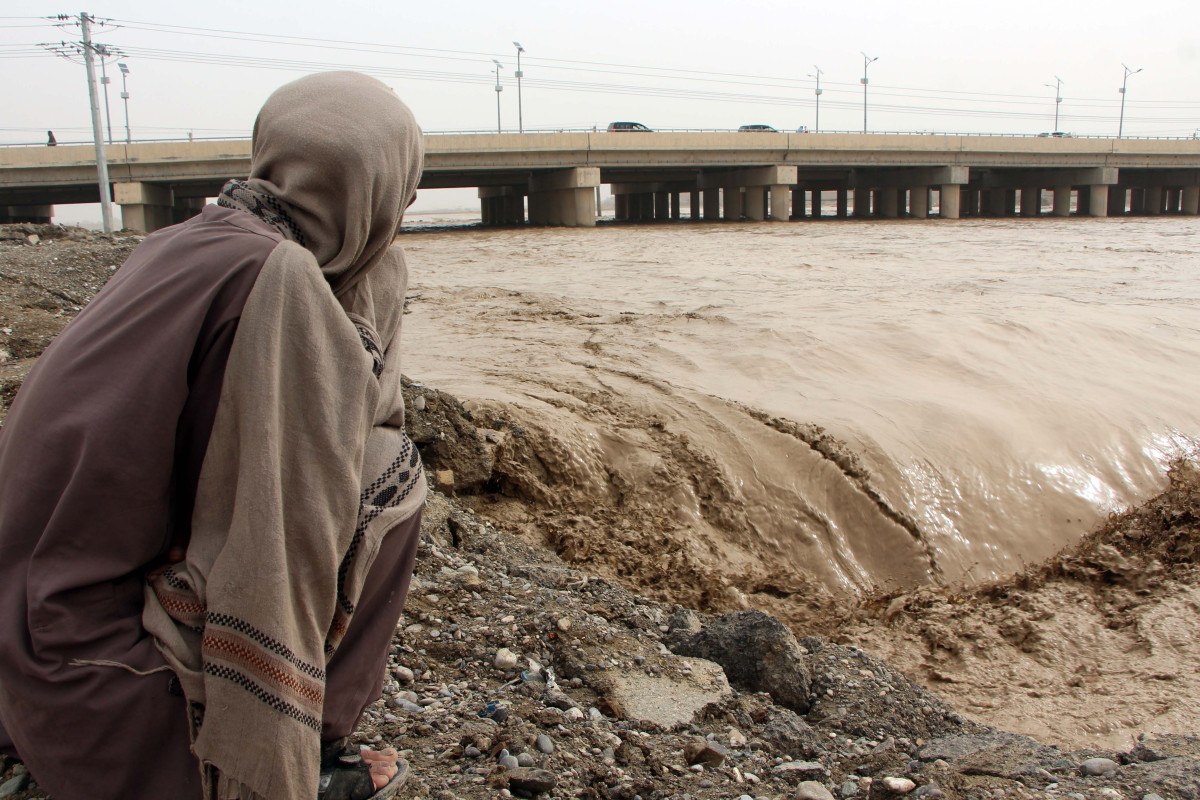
[1173, 201]
[145, 207]
[1031, 202]
[694, 204]
[797, 203]
[816, 204]
[1137, 201]
[1118, 197]
[733, 203]
[1062, 201]
[569, 195]
[621, 207]
[862, 202]
[41, 214]
[781, 202]
[1098, 200]
[1154, 200]
[918, 202]
[712, 204]
[974, 201]
[662, 206]
[755, 203]
[843, 203]
[1190, 202]
[949, 200]
[889, 202]
[675, 214]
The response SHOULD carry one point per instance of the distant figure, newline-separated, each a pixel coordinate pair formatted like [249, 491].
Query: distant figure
[189, 136]
[50, 140]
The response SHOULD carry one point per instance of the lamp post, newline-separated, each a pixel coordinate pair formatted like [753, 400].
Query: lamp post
[125, 96]
[867, 61]
[520, 74]
[1057, 87]
[817, 92]
[102, 51]
[499, 89]
[1125, 80]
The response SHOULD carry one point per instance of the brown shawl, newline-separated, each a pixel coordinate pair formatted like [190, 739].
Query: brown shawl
[307, 467]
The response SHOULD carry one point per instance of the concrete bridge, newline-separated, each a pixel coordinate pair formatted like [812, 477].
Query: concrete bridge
[552, 179]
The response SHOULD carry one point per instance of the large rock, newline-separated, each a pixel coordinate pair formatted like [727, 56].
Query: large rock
[757, 653]
[446, 435]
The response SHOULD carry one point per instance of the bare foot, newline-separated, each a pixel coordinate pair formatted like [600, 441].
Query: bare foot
[382, 764]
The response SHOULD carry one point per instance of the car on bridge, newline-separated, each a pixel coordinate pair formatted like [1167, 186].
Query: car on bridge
[1056, 135]
[759, 128]
[614, 127]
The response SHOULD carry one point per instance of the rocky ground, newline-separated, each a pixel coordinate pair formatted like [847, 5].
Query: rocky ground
[516, 673]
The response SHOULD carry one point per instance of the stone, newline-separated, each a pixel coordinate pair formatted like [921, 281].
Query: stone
[443, 480]
[525, 782]
[898, 785]
[811, 790]
[1152, 796]
[14, 785]
[32, 238]
[931, 791]
[1098, 767]
[573, 714]
[508, 762]
[665, 699]
[737, 739]
[419, 402]
[524, 760]
[544, 744]
[506, 659]
[800, 768]
[757, 652]
[403, 674]
[848, 789]
[702, 751]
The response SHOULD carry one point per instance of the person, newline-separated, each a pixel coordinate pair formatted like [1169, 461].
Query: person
[209, 510]
[50, 140]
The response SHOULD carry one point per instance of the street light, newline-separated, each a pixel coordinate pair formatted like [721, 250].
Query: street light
[1128, 72]
[867, 61]
[103, 52]
[1057, 87]
[499, 89]
[125, 96]
[817, 127]
[520, 112]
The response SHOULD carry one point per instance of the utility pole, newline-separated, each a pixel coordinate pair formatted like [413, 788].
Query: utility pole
[499, 89]
[1128, 72]
[817, 127]
[102, 51]
[85, 22]
[1057, 87]
[125, 96]
[520, 74]
[867, 61]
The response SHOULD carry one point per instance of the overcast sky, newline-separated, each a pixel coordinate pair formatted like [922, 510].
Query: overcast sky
[965, 66]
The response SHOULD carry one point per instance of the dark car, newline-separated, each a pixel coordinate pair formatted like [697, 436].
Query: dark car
[757, 129]
[614, 127]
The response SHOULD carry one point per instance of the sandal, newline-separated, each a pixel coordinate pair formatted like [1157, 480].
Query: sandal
[349, 775]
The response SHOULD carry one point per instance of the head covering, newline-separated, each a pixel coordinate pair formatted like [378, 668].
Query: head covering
[343, 154]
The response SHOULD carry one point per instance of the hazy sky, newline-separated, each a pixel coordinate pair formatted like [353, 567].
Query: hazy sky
[964, 66]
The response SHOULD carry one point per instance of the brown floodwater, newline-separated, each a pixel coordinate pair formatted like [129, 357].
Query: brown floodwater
[994, 387]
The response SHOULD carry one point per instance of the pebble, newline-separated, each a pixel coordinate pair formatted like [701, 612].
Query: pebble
[531, 781]
[898, 785]
[472, 752]
[848, 789]
[800, 767]
[508, 762]
[403, 674]
[931, 791]
[506, 659]
[737, 739]
[525, 760]
[1098, 766]
[544, 744]
[14, 785]
[701, 751]
[811, 790]
[573, 714]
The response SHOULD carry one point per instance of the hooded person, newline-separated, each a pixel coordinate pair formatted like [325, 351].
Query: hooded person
[209, 510]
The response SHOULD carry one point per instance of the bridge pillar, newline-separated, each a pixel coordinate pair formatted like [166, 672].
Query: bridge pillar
[733, 203]
[712, 204]
[662, 205]
[1118, 197]
[843, 203]
[40, 214]
[1137, 201]
[755, 203]
[184, 208]
[569, 195]
[620, 207]
[1031, 201]
[974, 201]
[889, 202]
[1098, 200]
[1173, 201]
[1062, 201]
[797, 204]
[781, 202]
[816, 204]
[918, 203]
[694, 204]
[145, 207]
[949, 200]
[1154, 200]
[1190, 202]
[862, 202]
[675, 212]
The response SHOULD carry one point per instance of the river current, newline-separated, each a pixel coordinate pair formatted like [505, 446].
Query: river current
[991, 388]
